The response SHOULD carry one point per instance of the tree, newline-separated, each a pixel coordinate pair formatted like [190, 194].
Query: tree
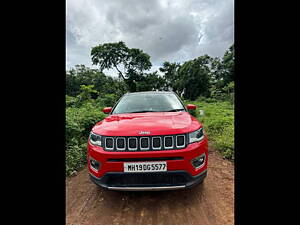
[170, 71]
[150, 82]
[222, 75]
[202, 76]
[82, 75]
[223, 69]
[117, 55]
[228, 65]
[194, 77]
[86, 92]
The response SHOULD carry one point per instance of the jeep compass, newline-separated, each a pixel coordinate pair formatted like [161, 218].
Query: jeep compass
[149, 141]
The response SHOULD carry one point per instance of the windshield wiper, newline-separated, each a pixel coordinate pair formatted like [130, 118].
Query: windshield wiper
[174, 110]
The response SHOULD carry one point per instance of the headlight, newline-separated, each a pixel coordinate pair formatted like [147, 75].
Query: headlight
[95, 139]
[196, 136]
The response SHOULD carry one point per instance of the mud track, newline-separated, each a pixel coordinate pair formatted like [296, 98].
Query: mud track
[211, 203]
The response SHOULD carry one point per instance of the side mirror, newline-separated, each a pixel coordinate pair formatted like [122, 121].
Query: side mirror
[191, 106]
[107, 110]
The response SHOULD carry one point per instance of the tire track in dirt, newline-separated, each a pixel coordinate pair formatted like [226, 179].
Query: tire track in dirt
[211, 203]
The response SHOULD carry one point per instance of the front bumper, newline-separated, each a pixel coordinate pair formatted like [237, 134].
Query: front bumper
[159, 181]
[177, 160]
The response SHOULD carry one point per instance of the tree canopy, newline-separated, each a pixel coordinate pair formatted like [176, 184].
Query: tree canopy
[203, 76]
[117, 55]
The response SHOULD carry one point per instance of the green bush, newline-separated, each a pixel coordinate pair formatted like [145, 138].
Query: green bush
[79, 122]
[206, 100]
[223, 93]
[75, 157]
[70, 101]
[109, 100]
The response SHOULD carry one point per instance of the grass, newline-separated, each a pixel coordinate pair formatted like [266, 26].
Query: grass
[218, 122]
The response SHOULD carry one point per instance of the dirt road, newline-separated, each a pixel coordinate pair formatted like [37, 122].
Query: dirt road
[211, 203]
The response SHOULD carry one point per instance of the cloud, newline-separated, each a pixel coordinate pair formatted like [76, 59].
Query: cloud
[173, 30]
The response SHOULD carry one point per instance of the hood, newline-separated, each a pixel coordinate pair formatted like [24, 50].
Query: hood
[157, 123]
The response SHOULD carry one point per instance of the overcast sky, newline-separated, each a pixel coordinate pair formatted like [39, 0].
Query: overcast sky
[168, 30]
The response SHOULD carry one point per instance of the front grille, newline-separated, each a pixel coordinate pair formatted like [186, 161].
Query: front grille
[144, 159]
[144, 143]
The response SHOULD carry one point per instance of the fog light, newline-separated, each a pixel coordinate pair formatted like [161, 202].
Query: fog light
[199, 161]
[95, 165]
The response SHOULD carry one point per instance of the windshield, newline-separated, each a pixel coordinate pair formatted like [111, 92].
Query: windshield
[138, 103]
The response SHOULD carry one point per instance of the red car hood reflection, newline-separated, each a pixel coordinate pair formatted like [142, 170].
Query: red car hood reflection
[157, 123]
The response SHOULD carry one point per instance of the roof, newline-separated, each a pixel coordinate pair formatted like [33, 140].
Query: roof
[150, 92]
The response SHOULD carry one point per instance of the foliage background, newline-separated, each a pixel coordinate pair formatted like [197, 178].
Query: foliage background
[204, 81]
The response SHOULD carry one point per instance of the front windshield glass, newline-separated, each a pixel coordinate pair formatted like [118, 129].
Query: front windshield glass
[148, 102]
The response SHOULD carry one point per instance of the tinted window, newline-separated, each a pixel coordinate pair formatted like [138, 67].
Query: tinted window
[148, 102]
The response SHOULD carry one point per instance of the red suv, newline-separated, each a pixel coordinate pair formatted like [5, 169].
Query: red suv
[149, 141]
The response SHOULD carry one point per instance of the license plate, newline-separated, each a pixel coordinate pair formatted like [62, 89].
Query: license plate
[142, 167]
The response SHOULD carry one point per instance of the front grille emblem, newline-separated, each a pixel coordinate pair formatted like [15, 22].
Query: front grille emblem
[144, 132]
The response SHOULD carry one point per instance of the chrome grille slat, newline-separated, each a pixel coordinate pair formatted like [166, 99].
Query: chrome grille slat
[136, 144]
[106, 143]
[120, 149]
[160, 143]
[165, 142]
[141, 143]
[180, 146]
